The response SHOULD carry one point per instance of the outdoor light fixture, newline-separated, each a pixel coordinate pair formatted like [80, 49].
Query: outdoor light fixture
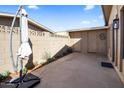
[116, 23]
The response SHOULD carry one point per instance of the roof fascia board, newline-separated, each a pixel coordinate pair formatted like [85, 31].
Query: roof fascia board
[30, 20]
[88, 29]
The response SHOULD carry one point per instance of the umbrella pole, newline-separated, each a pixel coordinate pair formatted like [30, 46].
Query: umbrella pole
[10, 43]
[20, 59]
[21, 73]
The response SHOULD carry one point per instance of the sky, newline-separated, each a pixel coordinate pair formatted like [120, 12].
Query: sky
[62, 17]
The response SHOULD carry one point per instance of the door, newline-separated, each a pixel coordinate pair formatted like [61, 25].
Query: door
[92, 46]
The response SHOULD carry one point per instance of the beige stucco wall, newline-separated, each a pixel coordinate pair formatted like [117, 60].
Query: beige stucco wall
[43, 44]
[119, 65]
[48, 43]
[81, 43]
[115, 10]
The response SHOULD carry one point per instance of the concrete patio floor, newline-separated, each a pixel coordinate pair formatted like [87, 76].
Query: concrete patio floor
[78, 71]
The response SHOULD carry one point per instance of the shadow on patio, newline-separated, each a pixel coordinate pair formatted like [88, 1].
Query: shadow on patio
[78, 70]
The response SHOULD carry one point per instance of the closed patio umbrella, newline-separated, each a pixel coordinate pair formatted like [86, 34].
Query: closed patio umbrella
[25, 50]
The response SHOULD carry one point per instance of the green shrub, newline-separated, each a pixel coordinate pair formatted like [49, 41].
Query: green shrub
[49, 59]
[4, 75]
[1, 77]
[24, 70]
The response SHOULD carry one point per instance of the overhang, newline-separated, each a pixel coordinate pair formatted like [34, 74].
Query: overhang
[106, 13]
[88, 29]
[29, 20]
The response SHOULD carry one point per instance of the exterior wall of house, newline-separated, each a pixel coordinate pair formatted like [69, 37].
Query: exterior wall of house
[44, 44]
[91, 41]
[62, 33]
[7, 21]
[118, 41]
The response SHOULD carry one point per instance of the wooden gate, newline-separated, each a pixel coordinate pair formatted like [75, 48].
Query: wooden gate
[90, 41]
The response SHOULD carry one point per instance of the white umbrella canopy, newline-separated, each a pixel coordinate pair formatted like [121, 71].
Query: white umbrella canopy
[25, 50]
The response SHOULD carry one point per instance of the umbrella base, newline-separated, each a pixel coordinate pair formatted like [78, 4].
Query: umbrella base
[29, 81]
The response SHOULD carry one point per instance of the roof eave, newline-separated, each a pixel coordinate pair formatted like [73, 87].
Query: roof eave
[105, 20]
[88, 29]
[30, 21]
[106, 9]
